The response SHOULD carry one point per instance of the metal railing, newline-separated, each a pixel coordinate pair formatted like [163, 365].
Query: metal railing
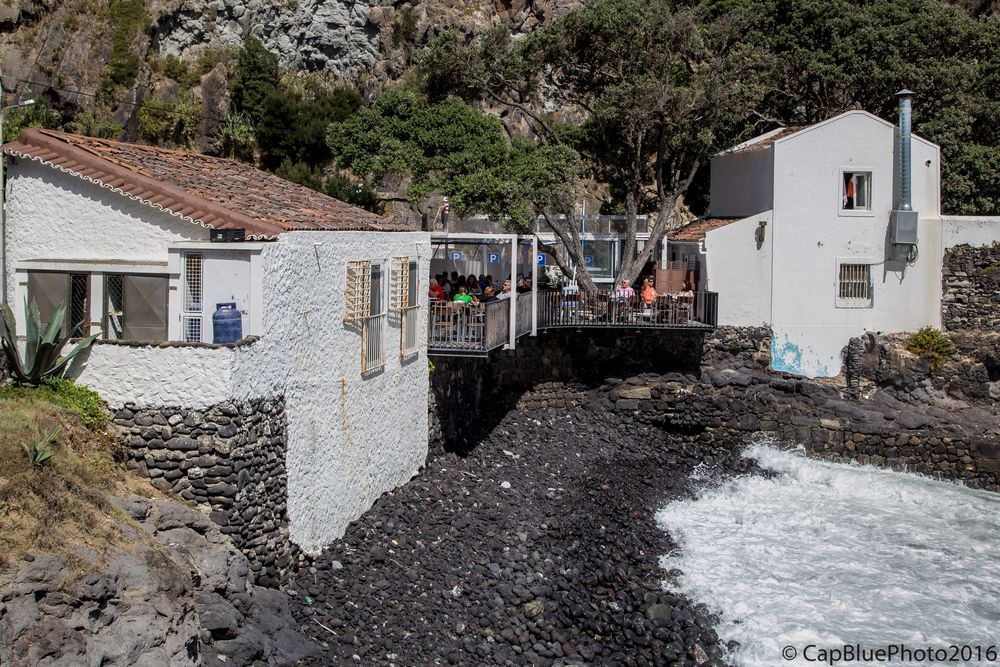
[456, 328]
[604, 309]
[408, 330]
[523, 314]
[373, 342]
[469, 327]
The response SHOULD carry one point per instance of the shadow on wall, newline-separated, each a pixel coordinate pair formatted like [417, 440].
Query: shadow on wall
[471, 395]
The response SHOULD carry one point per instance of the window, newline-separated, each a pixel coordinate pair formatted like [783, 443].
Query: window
[357, 292]
[401, 282]
[410, 308]
[191, 319]
[49, 290]
[854, 285]
[135, 307]
[373, 326]
[856, 191]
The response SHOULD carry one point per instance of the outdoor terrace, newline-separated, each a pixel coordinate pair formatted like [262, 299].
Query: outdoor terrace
[456, 329]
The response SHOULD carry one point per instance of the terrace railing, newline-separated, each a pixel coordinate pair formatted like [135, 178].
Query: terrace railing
[455, 328]
[606, 310]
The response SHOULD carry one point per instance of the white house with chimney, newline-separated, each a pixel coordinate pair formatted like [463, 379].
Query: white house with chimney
[825, 232]
[210, 283]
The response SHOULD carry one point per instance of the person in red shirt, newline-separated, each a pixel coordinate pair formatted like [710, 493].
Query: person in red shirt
[436, 292]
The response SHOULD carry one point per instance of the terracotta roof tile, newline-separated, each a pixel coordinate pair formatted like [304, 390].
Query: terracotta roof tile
[766, 139]
[696, 229]
[212, 191]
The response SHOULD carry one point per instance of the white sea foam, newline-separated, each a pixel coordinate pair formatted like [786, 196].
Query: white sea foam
[830, 554]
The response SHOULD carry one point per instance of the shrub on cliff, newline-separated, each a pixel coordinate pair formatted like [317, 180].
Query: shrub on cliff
[930, 344]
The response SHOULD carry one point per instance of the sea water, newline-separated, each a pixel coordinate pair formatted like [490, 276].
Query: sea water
[826, 556]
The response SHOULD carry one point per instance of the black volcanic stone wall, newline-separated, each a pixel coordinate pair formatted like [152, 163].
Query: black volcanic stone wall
[470, 395]
[971, 288]
[231, 458]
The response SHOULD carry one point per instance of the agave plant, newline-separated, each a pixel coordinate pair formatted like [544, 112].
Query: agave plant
[40, 450]
[41, 358]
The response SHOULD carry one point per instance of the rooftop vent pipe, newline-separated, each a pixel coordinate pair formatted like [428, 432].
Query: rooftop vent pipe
[903, 221]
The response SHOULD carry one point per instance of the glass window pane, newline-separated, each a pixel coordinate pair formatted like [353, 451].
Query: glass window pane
[376, 293]
[48, 291]
[146, 316]
[114, 306]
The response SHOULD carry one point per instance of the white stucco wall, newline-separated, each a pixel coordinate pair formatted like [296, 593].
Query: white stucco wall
[811, 234]
[350, 438]
[742, 183]
[53, 215]
[740, 271]
[193, 377]
[971, 230]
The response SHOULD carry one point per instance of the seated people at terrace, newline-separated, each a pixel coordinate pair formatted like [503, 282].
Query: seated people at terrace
[435, 292]
[648, 291]
[525, 286]
[504, 290]
[489, 294]
[686, 291]
[472, 285]
[624, 290]
[464, 297]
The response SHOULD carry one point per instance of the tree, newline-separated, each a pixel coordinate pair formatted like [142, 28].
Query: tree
[659, 89]
[256, 79]
[415, 148]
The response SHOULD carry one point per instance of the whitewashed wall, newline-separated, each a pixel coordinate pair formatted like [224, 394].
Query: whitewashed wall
[970, 230]
[740, 271]
[810, 234]
[350, 438]
[192, 377]
[53, 215]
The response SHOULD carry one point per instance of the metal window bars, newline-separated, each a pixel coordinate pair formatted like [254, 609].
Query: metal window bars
[854, 286]
[114, 306]
[191, 319]
[372, 345]
[409, 329]
[357, 291]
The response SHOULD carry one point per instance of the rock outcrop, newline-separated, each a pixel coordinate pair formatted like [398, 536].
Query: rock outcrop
[180, 594]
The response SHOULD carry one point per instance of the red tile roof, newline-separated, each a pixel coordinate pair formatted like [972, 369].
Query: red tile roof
[696, 229]
[211, 191]
[767, 139]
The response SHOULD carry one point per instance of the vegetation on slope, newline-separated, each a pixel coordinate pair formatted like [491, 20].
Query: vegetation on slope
[62, 504]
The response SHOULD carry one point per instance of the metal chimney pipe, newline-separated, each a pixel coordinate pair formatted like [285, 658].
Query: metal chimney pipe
[905, 106]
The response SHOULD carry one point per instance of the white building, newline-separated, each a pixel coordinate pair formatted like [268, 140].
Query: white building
[799, 238]
[122, 234]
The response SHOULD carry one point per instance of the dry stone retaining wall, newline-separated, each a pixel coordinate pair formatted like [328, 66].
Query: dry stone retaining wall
[230, 458]
[971, 288]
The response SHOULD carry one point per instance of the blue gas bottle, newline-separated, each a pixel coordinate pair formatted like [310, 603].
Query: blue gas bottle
[227, 323]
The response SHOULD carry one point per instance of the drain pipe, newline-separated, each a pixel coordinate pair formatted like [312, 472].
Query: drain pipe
[903, 220]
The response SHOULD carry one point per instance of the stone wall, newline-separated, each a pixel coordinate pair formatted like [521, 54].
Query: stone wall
[732, 407]
[971, 288]
[469, 395]
[230, 458]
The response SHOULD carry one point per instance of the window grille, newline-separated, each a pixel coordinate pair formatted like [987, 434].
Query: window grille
[193, 291]
[192, 329]
[400, 282]
[114, 306]
[79, 304]
[854, 286]
[372, 343]
[357, 292]
[410, 320]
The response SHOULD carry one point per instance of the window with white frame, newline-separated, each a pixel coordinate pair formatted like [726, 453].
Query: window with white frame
[854, 285]
[135, 307]
[856, 191]
[192, 318]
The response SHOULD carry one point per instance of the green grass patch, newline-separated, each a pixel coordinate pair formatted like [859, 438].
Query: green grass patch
[86, 403]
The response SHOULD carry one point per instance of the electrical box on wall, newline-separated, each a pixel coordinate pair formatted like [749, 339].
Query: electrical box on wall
[903, 227]
[227, 235]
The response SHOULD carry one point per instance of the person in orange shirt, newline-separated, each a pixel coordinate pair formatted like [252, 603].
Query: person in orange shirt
[648, 292]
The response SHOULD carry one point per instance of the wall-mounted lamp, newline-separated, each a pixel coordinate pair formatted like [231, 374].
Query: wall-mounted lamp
[759, 234]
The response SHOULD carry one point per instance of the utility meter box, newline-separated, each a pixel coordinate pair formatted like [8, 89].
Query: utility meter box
[903, 227]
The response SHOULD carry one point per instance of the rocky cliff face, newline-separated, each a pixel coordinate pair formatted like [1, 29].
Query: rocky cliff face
[179, 595]
[68, 44]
